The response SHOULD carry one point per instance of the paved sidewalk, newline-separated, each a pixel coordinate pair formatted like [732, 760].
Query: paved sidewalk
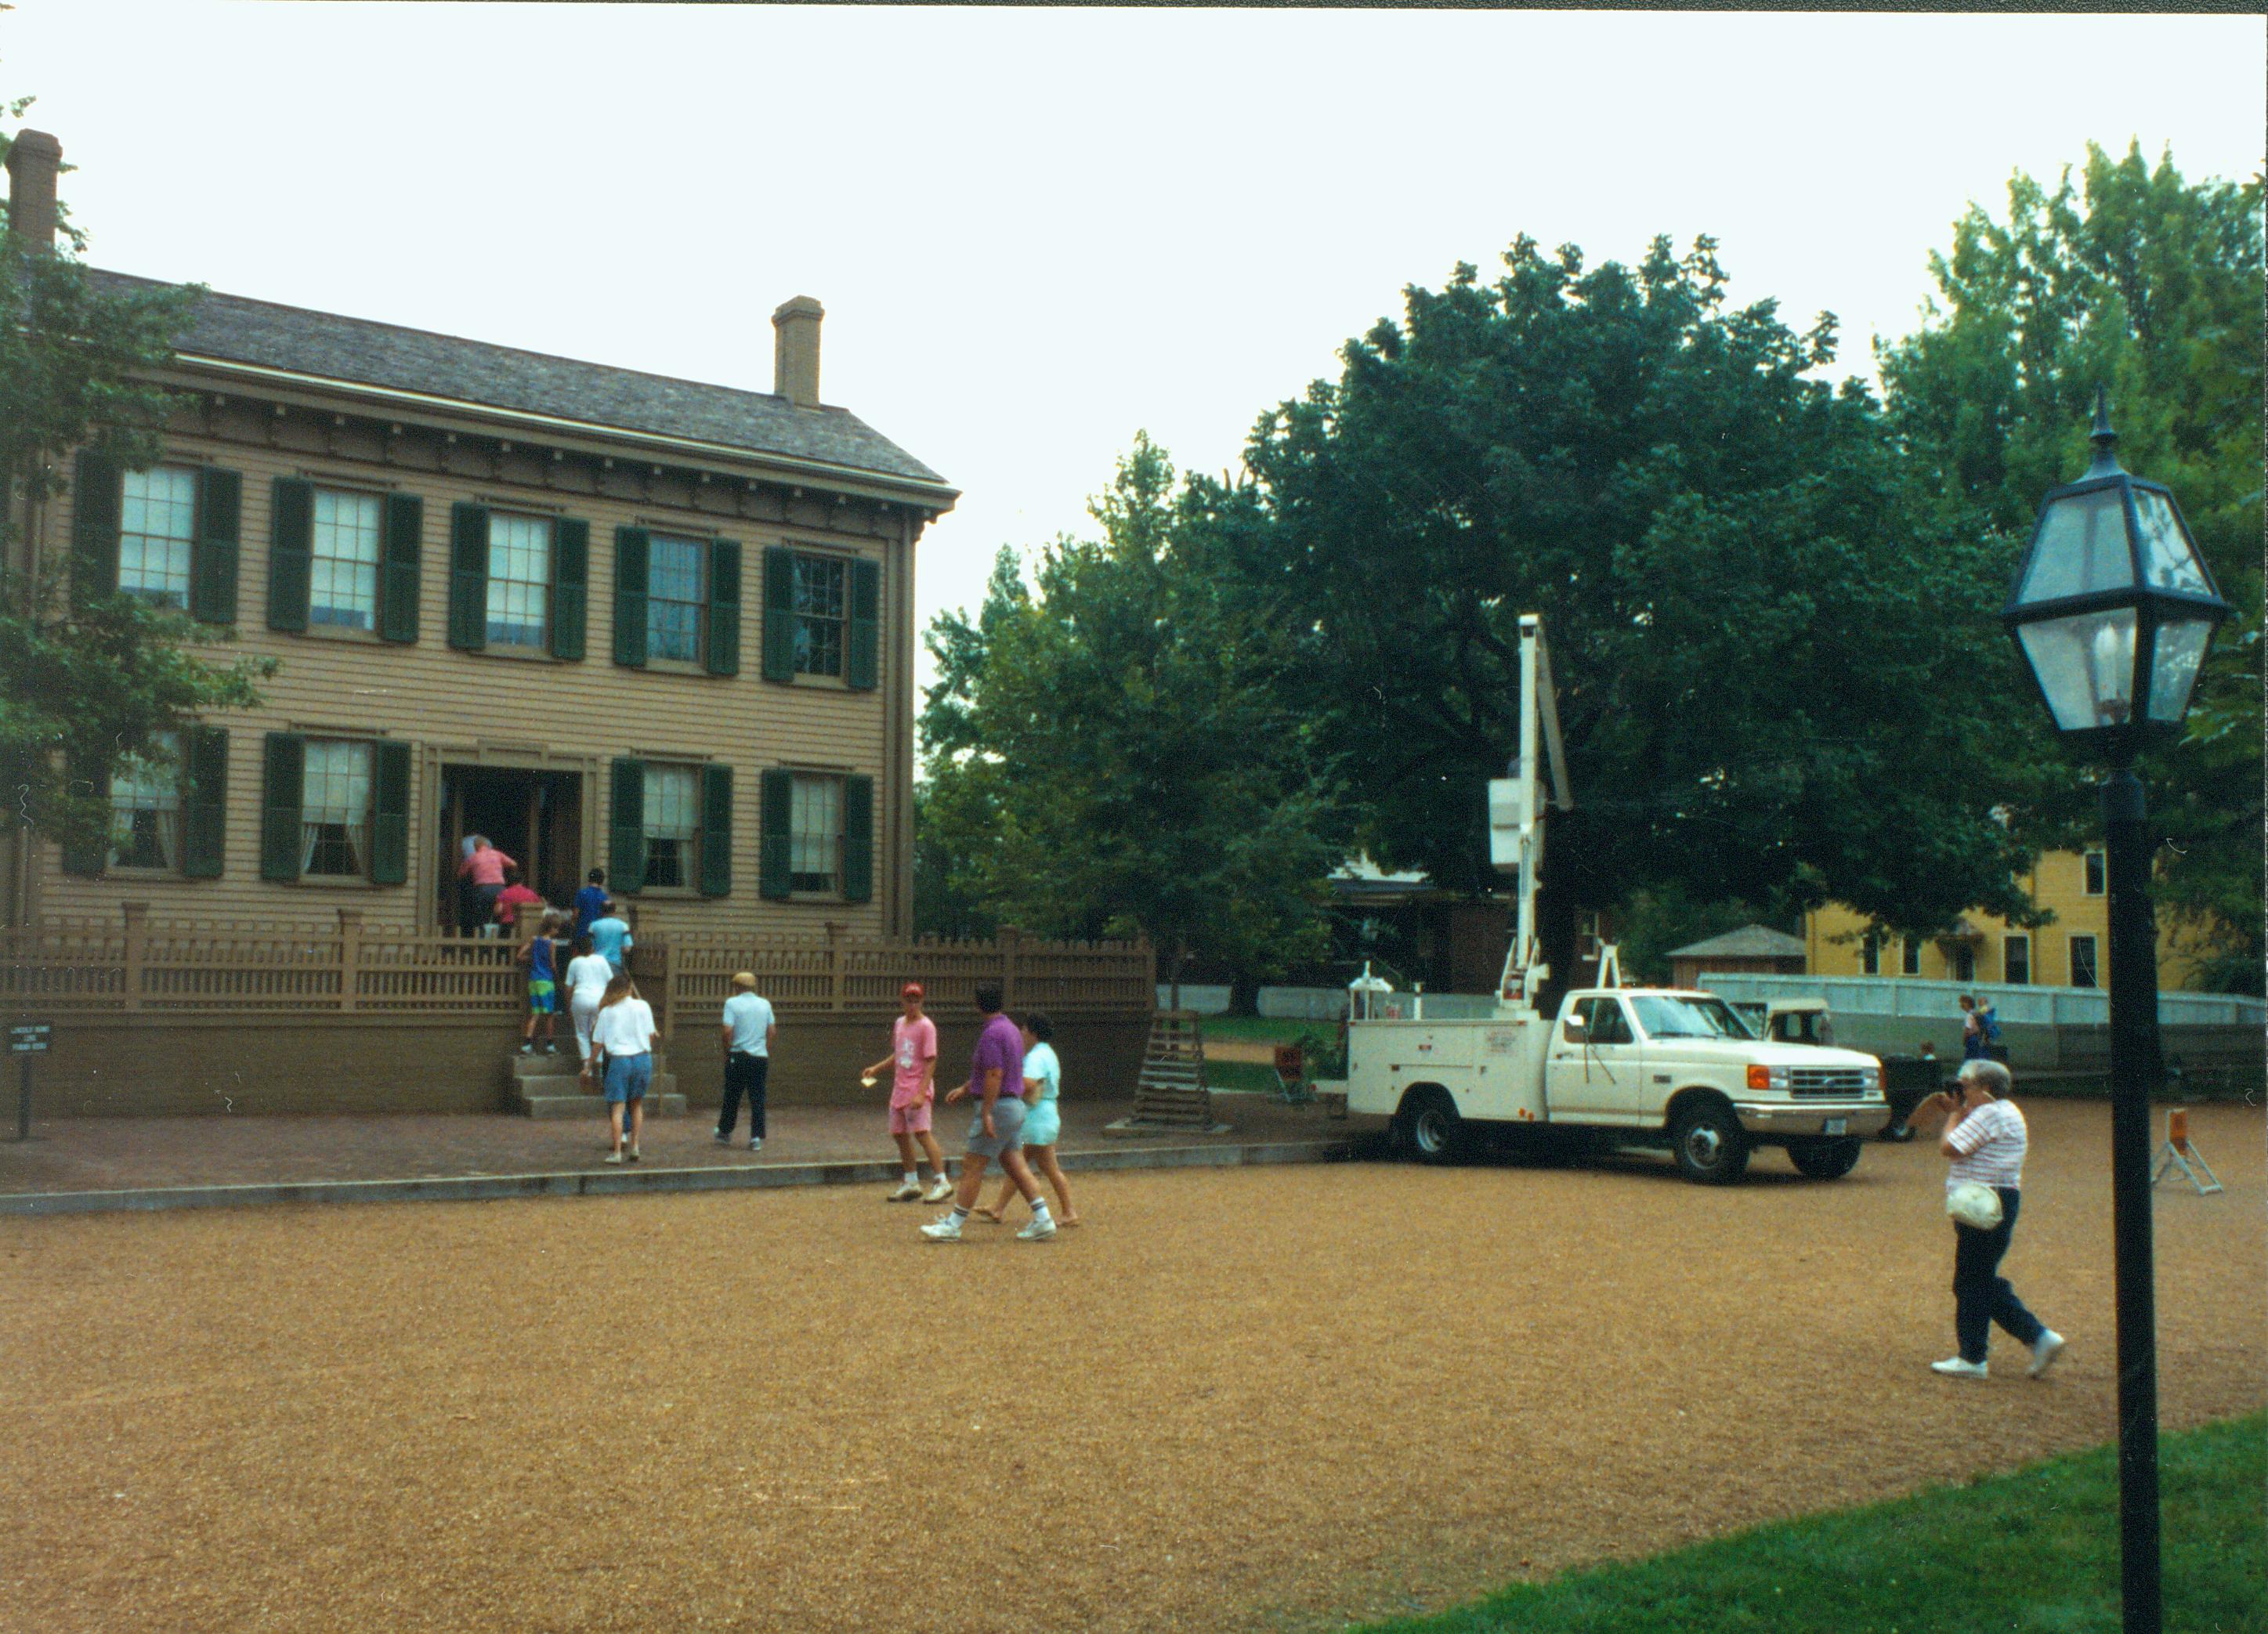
[120, 1154]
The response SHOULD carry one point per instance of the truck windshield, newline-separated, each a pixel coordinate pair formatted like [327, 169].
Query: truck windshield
[1664, 1016]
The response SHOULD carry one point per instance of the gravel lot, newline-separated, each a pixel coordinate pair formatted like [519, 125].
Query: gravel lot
[1234, 1399]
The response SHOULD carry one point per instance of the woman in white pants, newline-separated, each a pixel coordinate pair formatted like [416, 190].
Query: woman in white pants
[587, 976]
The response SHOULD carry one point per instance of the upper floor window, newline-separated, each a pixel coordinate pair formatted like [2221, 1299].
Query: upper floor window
[156, 533]
[145, 807]
[672, 818]
[343, 576]
[820, 614]
[519, 580]
[335, 805]
[674, 599]
[2082, 962]
[815, 835]
[2091, 864]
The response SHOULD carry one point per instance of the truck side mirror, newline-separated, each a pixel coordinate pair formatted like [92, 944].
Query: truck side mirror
[1576, 1031]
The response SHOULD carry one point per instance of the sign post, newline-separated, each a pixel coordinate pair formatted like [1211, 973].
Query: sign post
[26, 1040]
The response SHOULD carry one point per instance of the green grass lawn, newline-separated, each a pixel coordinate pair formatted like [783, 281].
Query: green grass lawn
[2037, 1551]
[1234, 1075]
[1263, 1030]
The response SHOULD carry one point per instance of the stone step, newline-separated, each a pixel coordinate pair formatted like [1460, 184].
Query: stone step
[566, 1061]
[662, 1100]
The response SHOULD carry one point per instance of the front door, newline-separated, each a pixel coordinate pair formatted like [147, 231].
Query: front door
[1597, 1070]
[536, 818]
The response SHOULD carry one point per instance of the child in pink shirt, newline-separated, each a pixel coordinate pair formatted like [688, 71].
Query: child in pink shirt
[913, 1091]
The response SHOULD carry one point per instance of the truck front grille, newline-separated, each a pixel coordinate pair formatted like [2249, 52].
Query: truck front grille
[1841, 1081]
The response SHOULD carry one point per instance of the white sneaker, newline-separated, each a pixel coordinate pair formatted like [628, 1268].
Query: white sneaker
[612, 1157]
[1953, 1366]
[2044, 1353]
[947, 1230]
[756, 1143]
[1038, 1230]
[907, 1192]
[940, 1190]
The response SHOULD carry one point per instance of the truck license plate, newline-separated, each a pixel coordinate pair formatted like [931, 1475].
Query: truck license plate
[1835, 1126]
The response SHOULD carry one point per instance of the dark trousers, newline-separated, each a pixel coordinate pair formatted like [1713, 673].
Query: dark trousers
[1981, 1295]
[744, 1075]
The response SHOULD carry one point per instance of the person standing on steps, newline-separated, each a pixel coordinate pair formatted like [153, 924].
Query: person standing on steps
[1986, 1137]
[912, 1063]
[540, 954]
[610, 937]
[590, 902]
[749, 1031]
[587, 976]
[997, 1130]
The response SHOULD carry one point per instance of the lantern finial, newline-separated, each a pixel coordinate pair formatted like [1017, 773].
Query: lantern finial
[2106, 463]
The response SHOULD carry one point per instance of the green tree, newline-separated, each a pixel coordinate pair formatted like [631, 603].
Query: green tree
[85, 680]
[2130, 277]
[1776, 684]
[1100, 759]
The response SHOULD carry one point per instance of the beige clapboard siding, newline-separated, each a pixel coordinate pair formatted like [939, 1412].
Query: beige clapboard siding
[526, 711]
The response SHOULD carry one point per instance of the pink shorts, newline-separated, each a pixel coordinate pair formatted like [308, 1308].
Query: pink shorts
[913, 1120]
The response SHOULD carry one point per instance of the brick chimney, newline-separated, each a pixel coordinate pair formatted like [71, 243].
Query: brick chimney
[795, 352]
[33, 158]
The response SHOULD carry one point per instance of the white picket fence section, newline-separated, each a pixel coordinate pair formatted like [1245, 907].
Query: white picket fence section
[1911, 997]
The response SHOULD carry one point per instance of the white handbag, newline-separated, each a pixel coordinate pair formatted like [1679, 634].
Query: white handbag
[1973, 1204]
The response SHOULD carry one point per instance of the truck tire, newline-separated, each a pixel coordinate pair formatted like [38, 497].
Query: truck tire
[1825, 1159]
[1431, 1131]
[1711, 1148]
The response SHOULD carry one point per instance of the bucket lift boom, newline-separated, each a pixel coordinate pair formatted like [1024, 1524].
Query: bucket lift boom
[1516, 811]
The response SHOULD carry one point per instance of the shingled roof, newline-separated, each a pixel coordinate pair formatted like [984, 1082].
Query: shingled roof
[356, 351]
[1750, 941]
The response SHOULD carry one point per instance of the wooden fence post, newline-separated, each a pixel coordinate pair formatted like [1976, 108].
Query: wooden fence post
[1010, 944]
[835, 983]
[349, 956]
[137, 932]
[669, 974]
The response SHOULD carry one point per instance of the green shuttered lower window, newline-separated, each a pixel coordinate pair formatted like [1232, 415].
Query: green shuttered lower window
[283, 768]
[670, 828]
[818, 836]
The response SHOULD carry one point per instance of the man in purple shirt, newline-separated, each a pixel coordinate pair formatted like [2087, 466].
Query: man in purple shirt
[996, 1081]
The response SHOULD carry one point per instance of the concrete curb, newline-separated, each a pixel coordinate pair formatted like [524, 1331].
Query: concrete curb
[617, 1183]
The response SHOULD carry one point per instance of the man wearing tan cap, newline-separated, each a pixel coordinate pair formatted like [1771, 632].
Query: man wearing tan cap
[749, 1030]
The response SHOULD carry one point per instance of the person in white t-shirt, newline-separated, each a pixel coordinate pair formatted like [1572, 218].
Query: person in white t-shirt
[587, 976]
[749, 1030]
[1986, 1137]
[623, 1040]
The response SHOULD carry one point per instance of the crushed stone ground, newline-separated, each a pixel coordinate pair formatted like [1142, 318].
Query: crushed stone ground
[1236, 1399]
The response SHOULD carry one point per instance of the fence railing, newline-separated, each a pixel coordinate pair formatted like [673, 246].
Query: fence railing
[2044, 1006]
[133, 965]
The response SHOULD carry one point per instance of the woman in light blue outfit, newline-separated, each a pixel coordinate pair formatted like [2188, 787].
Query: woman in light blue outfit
[1043, 1119]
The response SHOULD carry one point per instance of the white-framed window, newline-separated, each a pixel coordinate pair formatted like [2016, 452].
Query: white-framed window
[815, 835]
[1909, 956]
[673, 598]
[2016, 960]
[519, 580]
[2091, 877]
[145, 807]
[342, 572]
[2083, 969]
[157, 532]
[335, 809]
[673, 826]
[1870, 953]
[821, 613]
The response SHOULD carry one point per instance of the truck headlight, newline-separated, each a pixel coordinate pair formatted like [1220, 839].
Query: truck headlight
[1870, 1078]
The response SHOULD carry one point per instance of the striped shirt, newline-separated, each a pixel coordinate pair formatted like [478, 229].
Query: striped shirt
[1990, 1141]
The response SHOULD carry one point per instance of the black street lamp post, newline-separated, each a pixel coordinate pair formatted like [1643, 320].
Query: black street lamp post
[2112, 611]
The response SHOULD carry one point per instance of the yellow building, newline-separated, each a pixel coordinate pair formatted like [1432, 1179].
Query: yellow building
[2071, 950]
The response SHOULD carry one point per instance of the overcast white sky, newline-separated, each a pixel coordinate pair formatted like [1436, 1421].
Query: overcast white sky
[1037, 231]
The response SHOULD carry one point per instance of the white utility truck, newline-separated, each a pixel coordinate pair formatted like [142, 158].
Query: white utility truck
[1616, 1065]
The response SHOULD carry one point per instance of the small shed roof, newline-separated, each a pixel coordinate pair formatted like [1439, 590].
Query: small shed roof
[1750, 941]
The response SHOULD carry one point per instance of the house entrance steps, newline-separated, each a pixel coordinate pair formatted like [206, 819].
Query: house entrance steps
[1171, 1092]
[550, 1086]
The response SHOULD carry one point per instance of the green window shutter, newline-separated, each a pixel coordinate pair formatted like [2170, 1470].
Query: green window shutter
[283, 781]
[570, 579]
[85, 858]
[778, 812]
[858, 839]
[779, 615]
[290, 551]
[469, 576]
[204, 801]
[401, 567]
[626, 828]
[94, 526]
[861, 665]
[632, 547]
[723, 657]
[389, 814]
[715, 831]
[212, 553]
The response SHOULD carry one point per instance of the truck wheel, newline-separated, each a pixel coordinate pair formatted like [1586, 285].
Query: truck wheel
[1824, 1159]
[1712, 1147]
[1432, 1132]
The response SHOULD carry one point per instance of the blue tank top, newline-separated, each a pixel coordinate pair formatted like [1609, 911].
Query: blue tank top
[539, 967]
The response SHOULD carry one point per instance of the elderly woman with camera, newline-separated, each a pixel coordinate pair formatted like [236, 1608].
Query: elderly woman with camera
[1985, 1135]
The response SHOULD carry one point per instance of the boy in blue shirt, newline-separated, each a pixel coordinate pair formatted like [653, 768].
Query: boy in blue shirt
[590, 902]
[610, 937]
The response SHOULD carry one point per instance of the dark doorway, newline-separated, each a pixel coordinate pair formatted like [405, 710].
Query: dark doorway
[536, 818]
